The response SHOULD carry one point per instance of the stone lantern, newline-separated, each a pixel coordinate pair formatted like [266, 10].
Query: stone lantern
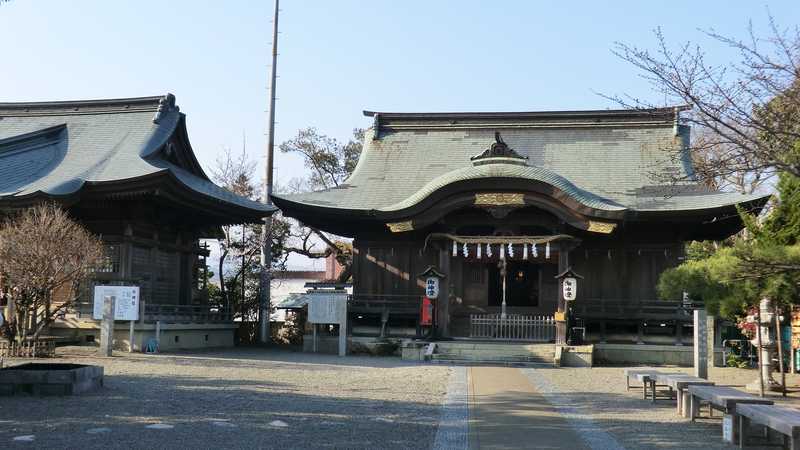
[769, 345]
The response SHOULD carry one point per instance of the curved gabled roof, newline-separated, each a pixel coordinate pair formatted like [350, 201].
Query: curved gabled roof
[56, 149]
[620, 162]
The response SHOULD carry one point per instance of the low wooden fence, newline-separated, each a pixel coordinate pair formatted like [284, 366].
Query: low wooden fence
[514, 327]
[28, 349]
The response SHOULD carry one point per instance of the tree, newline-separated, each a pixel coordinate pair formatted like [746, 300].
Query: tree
[741, 132]
[765, 262]
[330, 163]
[46, 257]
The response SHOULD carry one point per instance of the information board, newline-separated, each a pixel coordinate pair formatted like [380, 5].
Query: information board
[126, 302]
[327, 309]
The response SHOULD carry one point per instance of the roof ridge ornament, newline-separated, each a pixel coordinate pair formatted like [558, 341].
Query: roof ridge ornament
[166, 104]
[499, 152]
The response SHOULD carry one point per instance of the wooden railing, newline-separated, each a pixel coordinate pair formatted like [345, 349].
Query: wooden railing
[171, 313]
[186, 314]
[513, 327]
[632, 309]
[381, 302]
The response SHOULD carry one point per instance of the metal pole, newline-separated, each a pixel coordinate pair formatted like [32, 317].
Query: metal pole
[266, 235]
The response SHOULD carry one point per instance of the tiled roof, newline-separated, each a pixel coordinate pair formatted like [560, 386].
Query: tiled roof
[605, 160]
[56, 148]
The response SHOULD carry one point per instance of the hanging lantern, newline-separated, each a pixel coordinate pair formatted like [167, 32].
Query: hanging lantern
[524, 251]
[488, 250]
[547, 251]
[535, 252]
[510, 250]
[479, 250]
[502, 251]
[465, 249]
[455, 249]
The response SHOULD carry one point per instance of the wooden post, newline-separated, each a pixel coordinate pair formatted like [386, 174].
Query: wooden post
[561, 325]
[443, 302]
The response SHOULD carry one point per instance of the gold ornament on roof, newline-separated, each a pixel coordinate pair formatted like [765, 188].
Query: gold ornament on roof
[400, 227]
[601, 227]
[499, 199]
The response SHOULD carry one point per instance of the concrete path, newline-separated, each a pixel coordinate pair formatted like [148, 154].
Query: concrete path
[507, 412]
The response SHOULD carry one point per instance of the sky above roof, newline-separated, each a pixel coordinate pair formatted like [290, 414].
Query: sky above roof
[339, 58]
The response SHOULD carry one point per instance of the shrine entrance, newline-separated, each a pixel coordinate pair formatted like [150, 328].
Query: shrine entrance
[523, 284]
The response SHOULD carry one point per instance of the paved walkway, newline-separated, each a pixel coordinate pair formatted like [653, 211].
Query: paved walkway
[507, 411]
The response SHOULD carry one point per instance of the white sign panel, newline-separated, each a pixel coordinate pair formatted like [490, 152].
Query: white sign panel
[327, 309]
[570, 287]
[432, 287]
[126, 302]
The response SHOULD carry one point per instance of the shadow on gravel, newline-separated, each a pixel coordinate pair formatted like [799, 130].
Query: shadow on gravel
[214, 412]
[260, 357]
[627, 419]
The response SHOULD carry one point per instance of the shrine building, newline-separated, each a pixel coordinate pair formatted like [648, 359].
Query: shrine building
[502, 203]
[125, 169]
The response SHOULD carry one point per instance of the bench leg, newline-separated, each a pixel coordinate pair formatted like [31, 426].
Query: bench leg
[653, 387]
[794, 442]
[679, 396]
[644, 389]
[742, 431]
[627, 384]
[685, 404]
[694, 407]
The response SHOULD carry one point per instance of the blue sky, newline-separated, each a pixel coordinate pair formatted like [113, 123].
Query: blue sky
[338, 58]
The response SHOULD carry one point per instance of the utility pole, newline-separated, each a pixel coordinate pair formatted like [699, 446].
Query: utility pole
[266, 235]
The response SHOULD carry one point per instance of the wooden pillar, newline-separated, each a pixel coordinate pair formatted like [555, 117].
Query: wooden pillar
[443, 302]
[561, 325]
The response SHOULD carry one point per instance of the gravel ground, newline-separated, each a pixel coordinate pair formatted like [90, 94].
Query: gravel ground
[599, 393]
[236, 398]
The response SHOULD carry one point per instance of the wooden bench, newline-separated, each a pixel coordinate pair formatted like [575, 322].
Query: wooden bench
[783, 420]
[679, 383]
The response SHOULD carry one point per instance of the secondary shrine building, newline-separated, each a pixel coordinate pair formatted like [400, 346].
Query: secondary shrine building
[125, 169]
[502, 203]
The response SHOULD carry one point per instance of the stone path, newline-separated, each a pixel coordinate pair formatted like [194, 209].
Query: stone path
[507, 411]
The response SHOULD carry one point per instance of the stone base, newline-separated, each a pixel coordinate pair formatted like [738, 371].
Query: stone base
[50, 379]
[770, 386]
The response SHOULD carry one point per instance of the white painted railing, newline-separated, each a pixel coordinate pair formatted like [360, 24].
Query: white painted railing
[514, 327]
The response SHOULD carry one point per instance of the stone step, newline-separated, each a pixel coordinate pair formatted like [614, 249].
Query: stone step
[504, 363]
[495, 346]
[515, 358]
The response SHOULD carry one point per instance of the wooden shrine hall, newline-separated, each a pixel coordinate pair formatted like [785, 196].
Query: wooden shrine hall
[125, 169]
[502, 203]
